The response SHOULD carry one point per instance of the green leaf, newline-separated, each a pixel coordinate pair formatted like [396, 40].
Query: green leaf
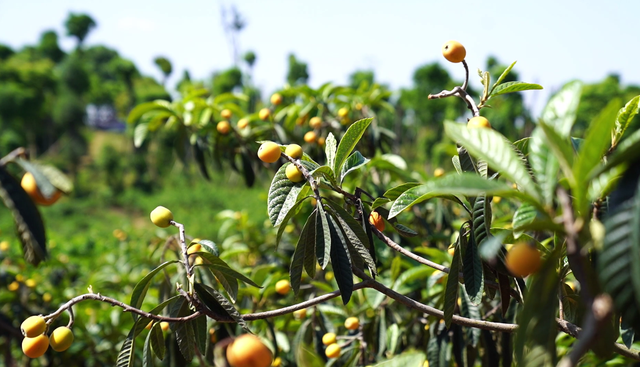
[406, 359]
[330, 147]
[492, 147]
[627, 151]
[502, 76]
[485, 77]
[472, 268]
[143, 108]
[393, 193]
[528, 217]
[561, 110]
[355, 161]
[544, 164]
[511, 87]
[140, 134]
[218, 264]
[348, 142]
[48, 178]
[617, 266]
[283, 194]
[147, 356]
[560, 146]
[28, 221]
[305, 356]
[185, 335]
[302, 196]
[142, 322]
[470, 310]
[598, 139]
[140, 290]
[327, 173]
[625, 115]
[341, 263]
[215, 301]
[481, 219]
[453, 184]
[355, 234]
[451, 288]
[157, 341]
[323, 238]
[229, 284]
[409, 275]
[304, 254]
[125, 356]
[199, 326]
[537, 329]
[438, 350]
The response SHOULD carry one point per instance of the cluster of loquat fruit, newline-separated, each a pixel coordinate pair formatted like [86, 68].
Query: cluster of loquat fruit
[36, 342]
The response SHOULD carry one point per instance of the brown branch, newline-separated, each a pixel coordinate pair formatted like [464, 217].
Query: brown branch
[114, 302]
[18, 152]
[396, 247]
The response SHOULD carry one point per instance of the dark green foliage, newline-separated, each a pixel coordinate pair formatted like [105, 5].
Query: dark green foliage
[226, 81]
[78, 26]
[298, 73]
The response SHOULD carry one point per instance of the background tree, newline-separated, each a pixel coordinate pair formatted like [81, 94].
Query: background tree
[49, 46]
[360, 76]
[226, 81]
[165, 67]
[297, 73]
[79, 26]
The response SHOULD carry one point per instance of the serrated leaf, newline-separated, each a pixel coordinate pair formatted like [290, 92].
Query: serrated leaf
[625, 115]
[393, 193]
[184, 334]
[215, 263]
[537, 329]
[302, 196]
[481, 219]
[323, 238]
[465, 160]
[502, 76]
[348, 142]
[199, 326]
[340, 262]
[142, 322]
[282, 195]
[208, 246]
[215, 301]
[125, 356]
[511, 87]
[472, 268]
[453, 184]
[526, 215]
[25, 214]
[330, 147]
[451, 288]
[544, 164]
[304, 254]
[355, 161]
[470, 310]
[404, 230]
[598, 139]
[157, 341]
[561, 147]
[617, 267]
[438, 350]
[492, 147]
[140, 290]
[327, 173]
[627, 151]
[355, 234]
[230, 284]
[147, 354]
[561, 109]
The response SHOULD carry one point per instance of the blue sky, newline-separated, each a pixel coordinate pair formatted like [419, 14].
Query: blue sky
[554, 41]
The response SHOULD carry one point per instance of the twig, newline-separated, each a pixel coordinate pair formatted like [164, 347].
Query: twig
[396, 247]
[12, 155]
[461, 93]
[114, 302]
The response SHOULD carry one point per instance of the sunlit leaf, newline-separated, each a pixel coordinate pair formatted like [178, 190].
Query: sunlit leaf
[561, 110]
[348, 142]
[140, 290]
[511, 87]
